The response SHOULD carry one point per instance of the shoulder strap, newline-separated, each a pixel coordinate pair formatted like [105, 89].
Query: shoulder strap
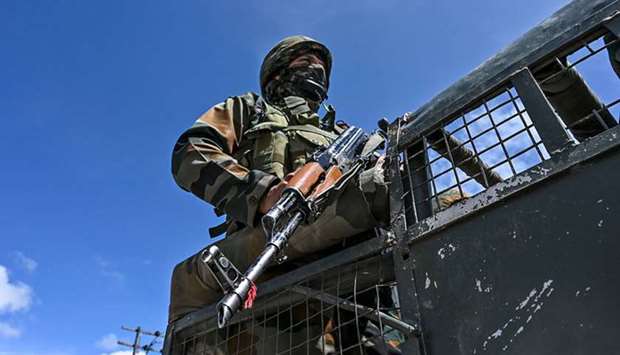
[220, 229]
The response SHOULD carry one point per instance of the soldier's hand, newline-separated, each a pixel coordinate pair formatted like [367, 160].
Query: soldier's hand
[273, 195]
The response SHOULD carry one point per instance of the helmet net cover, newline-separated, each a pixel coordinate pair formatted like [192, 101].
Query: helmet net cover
[286, 51]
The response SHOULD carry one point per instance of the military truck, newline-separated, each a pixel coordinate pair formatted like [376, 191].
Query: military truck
[525, 259]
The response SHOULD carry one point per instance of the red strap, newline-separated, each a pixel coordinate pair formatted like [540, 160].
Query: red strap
[249, 301]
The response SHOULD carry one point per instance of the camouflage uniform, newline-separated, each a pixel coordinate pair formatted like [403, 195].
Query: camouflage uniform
[238, 150]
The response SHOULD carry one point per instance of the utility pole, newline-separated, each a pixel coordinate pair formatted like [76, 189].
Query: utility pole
[135, 347]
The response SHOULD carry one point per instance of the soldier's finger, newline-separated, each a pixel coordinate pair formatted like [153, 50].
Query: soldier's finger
[272, 196]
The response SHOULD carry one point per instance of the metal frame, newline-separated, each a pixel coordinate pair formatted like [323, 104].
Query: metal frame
[467, 150]
[549, 125]
[565, 30]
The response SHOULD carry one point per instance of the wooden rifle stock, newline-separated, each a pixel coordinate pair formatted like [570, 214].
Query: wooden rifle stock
[331, 177]
[306, 178]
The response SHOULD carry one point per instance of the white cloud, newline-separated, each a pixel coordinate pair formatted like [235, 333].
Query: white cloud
[25, 262]
[108, 270]
[8, 331]
[123, 352]
[13, 296]
[108, 342]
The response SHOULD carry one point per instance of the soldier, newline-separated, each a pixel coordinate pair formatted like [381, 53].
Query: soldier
[238, 155]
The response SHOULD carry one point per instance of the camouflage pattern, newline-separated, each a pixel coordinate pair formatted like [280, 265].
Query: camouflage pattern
[205, 161]
[230, 157]
[285, 51]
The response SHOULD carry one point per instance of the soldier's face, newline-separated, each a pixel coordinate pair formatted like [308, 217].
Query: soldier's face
[313, 63]
[305, 60]
[305, 77]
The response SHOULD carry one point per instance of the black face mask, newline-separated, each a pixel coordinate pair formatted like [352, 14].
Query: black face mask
[308, 82]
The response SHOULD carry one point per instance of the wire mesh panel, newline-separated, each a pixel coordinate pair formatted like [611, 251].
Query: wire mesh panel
[582, 85]
[485, 145]
[348, 310]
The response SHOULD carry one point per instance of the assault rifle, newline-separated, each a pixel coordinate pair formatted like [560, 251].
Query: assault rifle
[302, 201]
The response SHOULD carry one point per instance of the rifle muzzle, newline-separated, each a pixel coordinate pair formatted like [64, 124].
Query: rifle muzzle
[223, 315]
[231, 302]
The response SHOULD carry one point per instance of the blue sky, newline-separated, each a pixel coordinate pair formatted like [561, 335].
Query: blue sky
[95, 93]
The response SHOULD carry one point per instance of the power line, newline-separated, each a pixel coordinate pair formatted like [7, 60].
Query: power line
[136, 341]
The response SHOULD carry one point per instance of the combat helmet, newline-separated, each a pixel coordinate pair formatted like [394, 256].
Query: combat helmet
[285, 51]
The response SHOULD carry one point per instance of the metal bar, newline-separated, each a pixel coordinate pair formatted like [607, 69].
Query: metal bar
[420, 182]
[357, 315]
[430, 177]
[599, 119]
[490, 147]
[517, 154]
[135, 342]
[547, 123]
[402, 267]
[458, 147]
[410, 180]
[264, 332]
[307, 326]
[499, 139]
[370, 313]
[339, 321]
[465, 159]
[381, 320]
[564, 68]
[322, 313]
[485, 178]
[454, 166]
[525, 124]
[613, 24]
[588, 117]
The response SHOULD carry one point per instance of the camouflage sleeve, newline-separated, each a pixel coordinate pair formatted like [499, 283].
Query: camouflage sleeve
[202, 162]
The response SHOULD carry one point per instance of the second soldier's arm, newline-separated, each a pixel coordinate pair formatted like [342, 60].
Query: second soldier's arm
[202, 162]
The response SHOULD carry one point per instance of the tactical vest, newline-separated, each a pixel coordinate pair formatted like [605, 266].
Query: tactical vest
[273, 146]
